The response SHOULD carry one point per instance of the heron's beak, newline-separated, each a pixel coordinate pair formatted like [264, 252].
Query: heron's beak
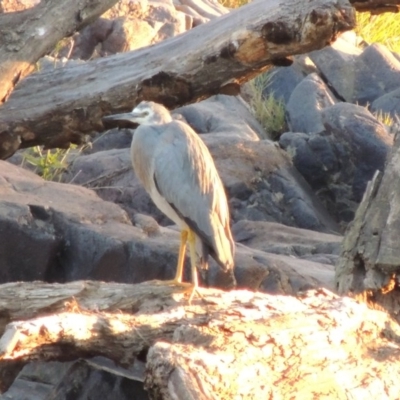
[131, 117]
[124, 120]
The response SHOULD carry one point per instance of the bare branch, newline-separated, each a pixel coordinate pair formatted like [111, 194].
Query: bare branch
[27, 35]
[59, 107]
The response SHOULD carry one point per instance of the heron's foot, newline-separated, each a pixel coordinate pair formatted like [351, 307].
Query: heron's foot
[177, 282]
[173, 282]
[194, 291]
[185, 287]
[188, 288]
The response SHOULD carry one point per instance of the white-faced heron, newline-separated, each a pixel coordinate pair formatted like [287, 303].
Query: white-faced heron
[177, 170]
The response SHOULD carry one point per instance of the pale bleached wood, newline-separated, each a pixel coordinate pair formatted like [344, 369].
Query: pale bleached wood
[25, 300]
[236, 344]
[376, 7]
[27, 35]
[318, 347]
[58, 107]
[369, 263]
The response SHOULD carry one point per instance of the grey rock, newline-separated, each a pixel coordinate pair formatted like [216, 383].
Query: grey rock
[36, 381]
[388, 103]
[127, 26]
[309, 97]
[367, 138]
[124, 34]
[377, 73]
[263, 185]
[80, 380]
[282, 81]
[317, 156]
[278, 274]
[110, 173]
[88, 40]
[222, 115]
[112, 139]
[339, 162]
[20, 5]
[336, 63]
[76, 235]
[276, 238]
[59, 232]
[195, 18]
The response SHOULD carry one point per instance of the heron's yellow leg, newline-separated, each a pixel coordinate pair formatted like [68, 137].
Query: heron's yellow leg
[192, 248]
[181, 261]
[181, 258]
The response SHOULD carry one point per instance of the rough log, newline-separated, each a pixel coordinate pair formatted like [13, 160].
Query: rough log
[59, 107]
[376, 7]
[224, 345]
[27, 35]
[369, 265]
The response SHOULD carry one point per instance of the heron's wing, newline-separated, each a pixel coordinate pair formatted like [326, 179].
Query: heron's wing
[185, 175]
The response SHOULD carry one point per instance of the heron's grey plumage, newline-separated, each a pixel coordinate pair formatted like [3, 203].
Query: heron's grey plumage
[178, 172]
[186, 177]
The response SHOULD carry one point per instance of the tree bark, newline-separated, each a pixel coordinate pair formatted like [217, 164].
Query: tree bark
[27, 35]
[369, 264]
[224, 345]
[59, 107]
[376, 7]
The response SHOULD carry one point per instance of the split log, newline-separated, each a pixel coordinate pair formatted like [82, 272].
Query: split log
[376, 7]
[235, 344]
[58, 107]
[369, 265]
[27, 35]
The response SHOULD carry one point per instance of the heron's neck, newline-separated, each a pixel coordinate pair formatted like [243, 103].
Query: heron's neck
[163, 118]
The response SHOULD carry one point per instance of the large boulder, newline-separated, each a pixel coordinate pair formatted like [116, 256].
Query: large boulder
[282, 81]
[59, 232]
[389, 103]
[307, 100]
[336, 63]
[130, 25]
[339, 162]
[294, 242]
[92, 379]
[377, 73]
[222, 115]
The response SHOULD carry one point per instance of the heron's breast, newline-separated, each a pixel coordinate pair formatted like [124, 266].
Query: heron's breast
[163, 205]
[142, 155]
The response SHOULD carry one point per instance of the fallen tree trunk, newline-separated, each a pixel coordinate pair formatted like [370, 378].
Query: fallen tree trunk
[235, 344]
[376, 7]
[369, 265]
[59, 107]
[27, 35]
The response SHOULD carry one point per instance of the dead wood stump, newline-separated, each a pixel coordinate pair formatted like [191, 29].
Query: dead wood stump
[235, 344]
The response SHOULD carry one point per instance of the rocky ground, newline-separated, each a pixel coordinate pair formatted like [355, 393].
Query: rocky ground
[290, 199]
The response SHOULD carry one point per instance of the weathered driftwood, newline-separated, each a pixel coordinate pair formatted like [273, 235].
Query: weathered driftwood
[59, 107]
[27, 35]
[376, 6]
[370, 260]
[235, 344]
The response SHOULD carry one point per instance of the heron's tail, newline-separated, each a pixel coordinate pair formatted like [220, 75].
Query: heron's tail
[223, 250]
[202, 254]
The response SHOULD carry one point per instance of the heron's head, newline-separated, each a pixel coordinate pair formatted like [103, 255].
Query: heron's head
[145, 113]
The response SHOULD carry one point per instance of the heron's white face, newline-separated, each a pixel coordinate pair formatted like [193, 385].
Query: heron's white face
[145, 113]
